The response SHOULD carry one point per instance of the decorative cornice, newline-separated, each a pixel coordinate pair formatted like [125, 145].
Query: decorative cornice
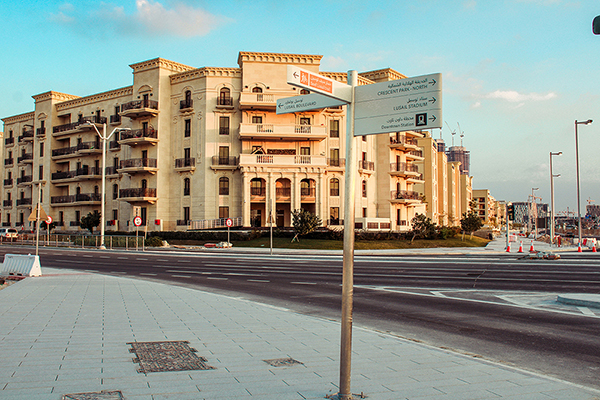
[160, 63]
[278, 58]
[53, 96]
[19, 118]
[80, 101]
[383, 74]
[205, 72]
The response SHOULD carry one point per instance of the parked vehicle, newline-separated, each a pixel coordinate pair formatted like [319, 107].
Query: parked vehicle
[8, 233]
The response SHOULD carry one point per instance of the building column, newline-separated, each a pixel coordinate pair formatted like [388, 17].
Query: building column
[270, 200]
[295, 194]
[245, 199]
[319, 197]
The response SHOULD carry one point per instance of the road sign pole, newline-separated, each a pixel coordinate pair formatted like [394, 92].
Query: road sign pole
[348, 260]
[37, 218]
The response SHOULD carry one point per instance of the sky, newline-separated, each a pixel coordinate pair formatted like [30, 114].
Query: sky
[516, 74]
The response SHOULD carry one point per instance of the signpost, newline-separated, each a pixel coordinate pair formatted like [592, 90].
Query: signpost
[384, 107]
[137, 221]
[229, 223]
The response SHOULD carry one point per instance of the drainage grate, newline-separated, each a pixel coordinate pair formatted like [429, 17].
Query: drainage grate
[283, 362]
[167, 356]
[103, 395]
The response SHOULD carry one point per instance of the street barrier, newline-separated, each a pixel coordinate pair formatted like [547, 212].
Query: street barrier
[21, 265]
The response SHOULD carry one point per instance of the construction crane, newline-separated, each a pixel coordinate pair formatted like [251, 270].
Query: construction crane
[451, 132]
[590, 201]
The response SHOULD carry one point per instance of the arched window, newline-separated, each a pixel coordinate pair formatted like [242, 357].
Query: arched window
[224, 186]
[257, 89]
[188, 96]
[186, 187]
[225, 97]
[257, 187]
[334, 187]
[304, 91]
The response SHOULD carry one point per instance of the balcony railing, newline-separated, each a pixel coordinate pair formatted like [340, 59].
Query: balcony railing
[139, 104]
[83, 146]
[403, 167]
[111, 170]
[416, 153]
[218, 160]
[7, 203]
[76, 198]
[307, 192]
[336, 162]
[282, 160]
[283, 192]
[258, 191]
[366, 165]
[40, 131]
[26, 201]
[115, 119]
[185, 162]
[183, 222]
[137, 192]
[188, 103]
[24, 179]
[401, 140]
[405, 195]
[74, 125]
[9, 140]
[139, 163]
[139, 133]
[25, 157]
[8, 182]
[93, 171]
[9, 161]
[223, 130]
[283, 132]
[114, 145]
[225, 101]
[26, 135]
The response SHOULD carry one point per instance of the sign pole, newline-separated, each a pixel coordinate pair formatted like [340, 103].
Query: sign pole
[348, 255]
[37, 219]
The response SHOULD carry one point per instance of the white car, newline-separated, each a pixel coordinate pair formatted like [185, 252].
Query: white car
[9, 233]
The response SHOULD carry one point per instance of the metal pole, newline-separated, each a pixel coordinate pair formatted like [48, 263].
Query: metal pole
[506, 217]
[102, 218]
[551, 203]
[37, 218]
[578, 199]
[270, 223]
[348, 260]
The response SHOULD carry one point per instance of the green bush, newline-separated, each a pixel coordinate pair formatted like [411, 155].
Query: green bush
[153, 241]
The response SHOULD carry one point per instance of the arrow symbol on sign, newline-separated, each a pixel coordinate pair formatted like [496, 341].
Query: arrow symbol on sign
[433, 118]
[434, 82]
[295, 74]
[432, 100]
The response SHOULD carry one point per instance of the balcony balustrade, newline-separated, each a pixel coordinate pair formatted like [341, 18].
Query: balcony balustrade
[24, 179]
[405, 196]
[85, 172]
[403, 142]
[138, 194]
[138, 165]
[277, 160]
[336, 162]
[9, 141]
[26, 136]
[282, 132]
[405, 169]
[186, 104]
[9, 161]
[366, 165]
[225, 102]
[8, 182]
[41, 132]
[185, 163]
[83, 148]
[7, 203]
[77, 198]
[81, 124]
[140, 108]
[220, 162]
[26, 201]
[115, 119]
[26, 157]
[137, 136]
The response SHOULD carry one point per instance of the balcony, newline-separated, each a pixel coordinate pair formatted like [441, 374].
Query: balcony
[138, 165]
[111, 171]
[81, 125]
[75, 151]
[406, 170]
[276, 160]
[26, 201]
[115, 119]
[78, 174]
[25, 179]
[307, 194]
[225, 102]
[405, 197]
[402, 142]
[335, 163]
[185, 164]
[25, 158]
[229, 163]
[282, 132]
[139, 136]
[9, 141]
[8, 182]
[186, 105]
[9, 162]
[140, 108]
[366, 166]
[133, 195]
[27, 136]
[114, 145]
[7, 203]
[283, 194]
[258, 193]
[77, 199]
[41, 132]
[415, 155]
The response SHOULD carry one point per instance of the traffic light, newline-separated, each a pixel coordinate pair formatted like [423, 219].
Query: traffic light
[510, 210]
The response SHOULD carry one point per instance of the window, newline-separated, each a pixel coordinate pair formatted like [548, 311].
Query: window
[115, 215]
[223, 155]
[334, 155]
[143, 214]
[186, 153]
[186, 187]
[186, 214]
[256, 89]
[334, 128]
[304, 121]
[41, 173]
[115, 191]
[144, 183]
[61, 217]
[364, 138]
[224, 186]
[364, 212]
[257, 119]
[305, 151]
[223, 212]
[334, 187]
[364, 188]
[304, 91]
[144, 154]
[334, 215]
[187, 130]
[96, 191]
[41, 149]
[223, 125]
[225, 97]
[77, 217]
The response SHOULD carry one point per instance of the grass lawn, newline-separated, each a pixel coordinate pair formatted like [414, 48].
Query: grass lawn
[317, 244]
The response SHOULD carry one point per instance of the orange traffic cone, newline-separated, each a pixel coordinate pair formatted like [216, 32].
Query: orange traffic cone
[508, 248]
[531, 250]
[520, 248]
[579, 248]
[594, 249]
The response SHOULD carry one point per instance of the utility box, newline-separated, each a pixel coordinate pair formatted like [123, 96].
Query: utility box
[21, 265]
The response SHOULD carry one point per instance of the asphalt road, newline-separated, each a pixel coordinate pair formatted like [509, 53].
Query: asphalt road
[496, 307]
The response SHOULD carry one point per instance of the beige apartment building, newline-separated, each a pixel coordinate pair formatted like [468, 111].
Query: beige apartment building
[487, 207]
[193, 146]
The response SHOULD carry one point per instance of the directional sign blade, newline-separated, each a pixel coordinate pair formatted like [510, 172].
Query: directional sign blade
[306, 102]
[400, 105]
[318, 83]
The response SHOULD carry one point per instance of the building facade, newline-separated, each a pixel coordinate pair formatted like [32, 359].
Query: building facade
[190, 147]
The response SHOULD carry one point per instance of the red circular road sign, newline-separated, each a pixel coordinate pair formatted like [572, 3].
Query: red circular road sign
[229, 222]
[137, 221]
[49, 220]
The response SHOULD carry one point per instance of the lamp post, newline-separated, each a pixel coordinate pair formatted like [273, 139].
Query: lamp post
[104, 139]
[589, 121]
[552, 176]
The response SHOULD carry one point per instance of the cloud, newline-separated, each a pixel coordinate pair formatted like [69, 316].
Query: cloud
[331, 63]
[513, 96]
[149, 18]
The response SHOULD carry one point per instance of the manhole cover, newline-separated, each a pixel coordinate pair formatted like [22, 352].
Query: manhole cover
[103, 395]
[167, 356]
[283, 362]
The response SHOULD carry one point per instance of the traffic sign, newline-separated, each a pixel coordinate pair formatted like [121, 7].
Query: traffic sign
[229, 222]
[313, 101]
[137, 221]
[33, 215]
[318, 83]
[400, 105]
[49, 220]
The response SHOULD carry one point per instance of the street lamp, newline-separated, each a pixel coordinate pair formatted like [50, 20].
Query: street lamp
[589, 121]
[104, 139]
[552, 176]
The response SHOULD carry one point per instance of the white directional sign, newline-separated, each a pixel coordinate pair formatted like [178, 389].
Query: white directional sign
[306, 102]
[318, 83]
[400, 105]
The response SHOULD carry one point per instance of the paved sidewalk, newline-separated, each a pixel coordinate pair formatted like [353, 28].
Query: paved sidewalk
[67, 333]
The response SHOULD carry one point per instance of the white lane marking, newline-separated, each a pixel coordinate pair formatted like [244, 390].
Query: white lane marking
[216, 278]
[142, 259]
[122, 258]
[104, 257]
[147, 273]
[118, 272]
[438, 294]
[586, 311]
[303, 283]
[90, 270]
[258, 280]
[184, 261]
[87, 255]
[181, 276]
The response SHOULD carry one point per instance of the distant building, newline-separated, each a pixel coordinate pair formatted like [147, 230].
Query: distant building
[460, 153]
[593, 210]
